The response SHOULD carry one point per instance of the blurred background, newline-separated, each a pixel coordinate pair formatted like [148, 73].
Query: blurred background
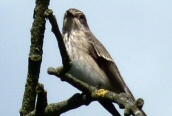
[137, 34]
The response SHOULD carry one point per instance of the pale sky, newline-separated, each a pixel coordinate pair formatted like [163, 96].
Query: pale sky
[137, 34]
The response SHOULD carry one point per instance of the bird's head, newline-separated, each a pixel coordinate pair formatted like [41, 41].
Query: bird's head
[74, 20]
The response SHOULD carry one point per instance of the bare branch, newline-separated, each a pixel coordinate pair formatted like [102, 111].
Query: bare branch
[41, 100]
[122, 99]
[75, 101]
[35, 57]
[56, 31]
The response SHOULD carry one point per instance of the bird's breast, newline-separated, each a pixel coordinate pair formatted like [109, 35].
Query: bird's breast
[83, 65]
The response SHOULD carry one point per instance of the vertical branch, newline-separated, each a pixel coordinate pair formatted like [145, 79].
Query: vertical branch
[41, 100]
[35, 56]
[59, 38]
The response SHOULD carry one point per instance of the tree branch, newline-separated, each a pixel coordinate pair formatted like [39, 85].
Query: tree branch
[35, 57]
[122, 99]
[75, 101]
[56, 109]
[41, 100]
[56, 31]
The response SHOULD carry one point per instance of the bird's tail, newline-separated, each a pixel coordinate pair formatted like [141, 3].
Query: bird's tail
[143, 113]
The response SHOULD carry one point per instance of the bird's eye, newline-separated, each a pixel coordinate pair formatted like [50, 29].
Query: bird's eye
[81, 17]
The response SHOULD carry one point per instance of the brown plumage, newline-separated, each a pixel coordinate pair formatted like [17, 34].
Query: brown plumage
[91, 62]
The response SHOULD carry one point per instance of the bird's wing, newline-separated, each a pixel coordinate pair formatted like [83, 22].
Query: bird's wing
[104, 60]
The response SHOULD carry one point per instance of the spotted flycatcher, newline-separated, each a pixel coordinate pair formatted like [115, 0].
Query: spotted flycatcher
[90, 61]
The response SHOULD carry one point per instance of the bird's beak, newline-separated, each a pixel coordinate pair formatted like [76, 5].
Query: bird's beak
[68, 14]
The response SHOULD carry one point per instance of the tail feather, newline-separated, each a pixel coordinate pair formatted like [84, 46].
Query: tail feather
[109, 107]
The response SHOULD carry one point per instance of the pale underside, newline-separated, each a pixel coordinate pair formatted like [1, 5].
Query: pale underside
[84, 66]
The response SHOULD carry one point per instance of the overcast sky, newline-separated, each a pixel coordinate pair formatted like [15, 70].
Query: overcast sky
[137, 34]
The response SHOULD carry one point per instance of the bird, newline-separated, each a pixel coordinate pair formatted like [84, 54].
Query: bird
[90, 61]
